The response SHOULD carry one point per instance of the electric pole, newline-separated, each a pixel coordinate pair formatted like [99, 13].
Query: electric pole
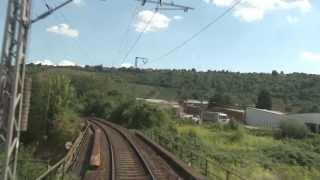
[136, 61]
[12, 75]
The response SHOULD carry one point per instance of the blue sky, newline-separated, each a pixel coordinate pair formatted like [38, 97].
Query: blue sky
[258, 36]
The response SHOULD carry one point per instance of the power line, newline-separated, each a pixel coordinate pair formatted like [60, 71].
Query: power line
[139, 37]
[214, 21]
[124, 40]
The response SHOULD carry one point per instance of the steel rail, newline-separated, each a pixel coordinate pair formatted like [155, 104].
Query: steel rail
[112, 153]
[131, 143]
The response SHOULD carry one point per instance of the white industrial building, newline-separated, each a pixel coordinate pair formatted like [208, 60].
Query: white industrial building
[264, 118]
[267, 119]
[312, 120]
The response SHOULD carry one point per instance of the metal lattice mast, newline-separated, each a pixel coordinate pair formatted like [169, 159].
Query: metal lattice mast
[13, 59]
[12, 75]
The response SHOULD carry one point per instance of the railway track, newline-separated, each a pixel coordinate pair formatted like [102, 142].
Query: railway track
[115, 153]
[128, 162]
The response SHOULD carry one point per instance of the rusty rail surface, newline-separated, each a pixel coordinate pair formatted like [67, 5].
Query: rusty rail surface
[95, 159]
[130, 164]
[105, 155]
[162, 164]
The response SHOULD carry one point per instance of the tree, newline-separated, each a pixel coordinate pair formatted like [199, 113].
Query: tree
[220, 99]
[264, 100]
[139, 115]
[274, 73]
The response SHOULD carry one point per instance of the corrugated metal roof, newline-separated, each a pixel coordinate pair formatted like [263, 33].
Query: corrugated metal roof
[269, 111]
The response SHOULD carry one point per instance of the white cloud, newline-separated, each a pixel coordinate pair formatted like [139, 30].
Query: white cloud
[177, 17]
[78, 2]
[310, 56]
[64, 29]
[44, 62]
[151, 22]
[221, 2]
[67, 63]
[255, 10]
[61, 63]
[126, 65]
[292, 19]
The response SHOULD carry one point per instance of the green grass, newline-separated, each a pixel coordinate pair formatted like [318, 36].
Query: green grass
[250, 155]
[220, 139]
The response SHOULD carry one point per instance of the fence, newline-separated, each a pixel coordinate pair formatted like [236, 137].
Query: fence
[58, 171]
[208, 167]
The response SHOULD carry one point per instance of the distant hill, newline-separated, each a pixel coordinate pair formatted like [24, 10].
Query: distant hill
[296, 92]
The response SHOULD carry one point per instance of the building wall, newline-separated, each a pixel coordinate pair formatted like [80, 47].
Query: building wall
[264, 119]
[312, 119]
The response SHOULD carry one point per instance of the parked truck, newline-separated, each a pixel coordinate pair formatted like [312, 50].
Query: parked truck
[217, 117]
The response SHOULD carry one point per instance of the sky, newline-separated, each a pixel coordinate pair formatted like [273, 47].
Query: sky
[257, 36]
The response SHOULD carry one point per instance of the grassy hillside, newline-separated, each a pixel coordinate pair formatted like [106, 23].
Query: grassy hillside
[259, 157]
[295, 92]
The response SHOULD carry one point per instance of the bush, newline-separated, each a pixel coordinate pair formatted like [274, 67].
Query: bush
[294, 129]
[292, 155]
[238, 135]
[139, 115]
[233, 124]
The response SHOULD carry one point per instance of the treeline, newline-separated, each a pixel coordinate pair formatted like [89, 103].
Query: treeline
[296, 92]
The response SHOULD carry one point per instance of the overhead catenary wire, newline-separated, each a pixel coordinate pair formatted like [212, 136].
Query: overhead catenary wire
[124, 39]
[204, 28]
[140, 36]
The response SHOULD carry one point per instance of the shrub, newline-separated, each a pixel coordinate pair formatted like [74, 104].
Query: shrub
[292, 155]
[233, 124]
[238, 135]
[139, 115]
[294, 129]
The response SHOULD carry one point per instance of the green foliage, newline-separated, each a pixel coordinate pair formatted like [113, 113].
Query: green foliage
[291, 92]
[95, 103]
[233, 124]
[138, 115]
[220, 99]
[53, 119]
[60, 95]
[291, 155]
[258, 157]
[30, 167]
[238, 135]
[264, 100]
[275, 73]
[294, 129]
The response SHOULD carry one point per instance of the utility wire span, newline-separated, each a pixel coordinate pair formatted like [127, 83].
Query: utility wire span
[215, 20]
[139, 37]
[124, 41]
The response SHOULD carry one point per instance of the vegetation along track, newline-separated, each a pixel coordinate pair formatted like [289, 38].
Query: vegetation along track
[128, 160]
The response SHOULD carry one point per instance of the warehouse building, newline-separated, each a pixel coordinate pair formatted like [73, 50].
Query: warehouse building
[312, 120]
[267, 119]
[262, 118]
